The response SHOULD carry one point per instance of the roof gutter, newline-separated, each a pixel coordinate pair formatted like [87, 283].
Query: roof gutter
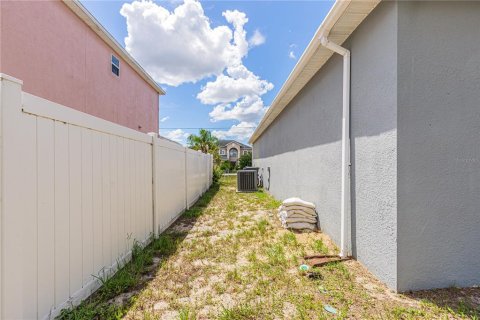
[345, 207]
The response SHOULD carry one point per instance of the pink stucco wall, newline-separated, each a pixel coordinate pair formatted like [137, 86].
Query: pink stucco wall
[61, 59]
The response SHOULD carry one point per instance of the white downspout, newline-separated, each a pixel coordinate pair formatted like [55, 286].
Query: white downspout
[345, 208]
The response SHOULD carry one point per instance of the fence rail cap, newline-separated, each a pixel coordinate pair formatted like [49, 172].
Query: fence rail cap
[4, 76]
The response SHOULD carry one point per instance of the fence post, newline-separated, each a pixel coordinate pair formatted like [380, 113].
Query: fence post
[186, 179]
[10, 104]
[154, 185]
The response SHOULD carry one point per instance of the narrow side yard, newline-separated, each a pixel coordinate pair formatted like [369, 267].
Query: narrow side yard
[229, 258]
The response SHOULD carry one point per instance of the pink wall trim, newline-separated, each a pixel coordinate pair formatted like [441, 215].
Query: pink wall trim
[61, 59]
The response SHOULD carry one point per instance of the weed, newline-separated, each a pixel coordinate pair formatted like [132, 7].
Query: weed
[276, 255]
[289, 239]
[239, 312]
[262, 226]
[231, 207]
[267, 201]
[194, 212]
[319, 247]
[406, 313]
[165, 244]
[234, 276]
[186, 314]
[252, 257]
[245, 234]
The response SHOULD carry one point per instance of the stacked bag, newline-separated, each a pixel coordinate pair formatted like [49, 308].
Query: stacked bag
[297, 214]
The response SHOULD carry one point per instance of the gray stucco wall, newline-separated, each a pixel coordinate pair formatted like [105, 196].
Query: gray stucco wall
[374, 142]
[303, 146]
[438, 144]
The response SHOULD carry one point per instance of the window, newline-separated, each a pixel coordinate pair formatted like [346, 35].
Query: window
[222, 152]
[233, 153]
[115, 66]
[246, 151]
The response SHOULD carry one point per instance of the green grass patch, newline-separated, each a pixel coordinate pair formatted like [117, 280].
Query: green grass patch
[407, 313]
[186, 314]
[127, 277]
[289, 239]
[319, 247]
[276, 254]
[266, 200]
[239, 312]
[262, 226]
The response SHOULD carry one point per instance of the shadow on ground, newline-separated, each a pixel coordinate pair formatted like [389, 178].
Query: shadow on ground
[461, 302]
[118, 293]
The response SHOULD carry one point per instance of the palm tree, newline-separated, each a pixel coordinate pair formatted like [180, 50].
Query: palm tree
[205, 141]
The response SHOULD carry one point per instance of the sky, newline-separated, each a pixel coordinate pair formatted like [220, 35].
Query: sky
[220, 62]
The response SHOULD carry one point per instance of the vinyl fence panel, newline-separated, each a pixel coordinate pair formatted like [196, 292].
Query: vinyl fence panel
[194, 186]
[170, 186]
[76, 193]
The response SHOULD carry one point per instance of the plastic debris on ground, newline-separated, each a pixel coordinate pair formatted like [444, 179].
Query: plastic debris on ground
[298, 214]
[330, 309]
[304, 267]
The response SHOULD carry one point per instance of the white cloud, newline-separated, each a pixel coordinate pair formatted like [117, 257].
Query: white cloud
[177, 135]
[247, 109]
[238, 20]
[239, 82]
[181, 46]
[257, 39]
[291, 53]
[241, 131]
[164, 119]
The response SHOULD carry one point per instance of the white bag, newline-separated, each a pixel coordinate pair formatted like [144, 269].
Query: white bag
[298, 202]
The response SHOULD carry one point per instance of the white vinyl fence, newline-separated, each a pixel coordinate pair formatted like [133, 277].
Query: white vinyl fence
[76, 192]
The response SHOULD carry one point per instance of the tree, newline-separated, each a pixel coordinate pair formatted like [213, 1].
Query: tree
[205, 142]
[245, 160]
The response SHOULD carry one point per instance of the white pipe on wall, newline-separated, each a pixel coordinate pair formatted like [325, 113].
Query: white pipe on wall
[345, 208]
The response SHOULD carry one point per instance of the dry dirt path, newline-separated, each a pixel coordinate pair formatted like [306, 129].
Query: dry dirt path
[229, 258]
[236, 262]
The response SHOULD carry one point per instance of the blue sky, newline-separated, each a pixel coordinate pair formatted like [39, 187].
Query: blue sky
[185, 46]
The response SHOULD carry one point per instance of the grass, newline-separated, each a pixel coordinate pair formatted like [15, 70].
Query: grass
[318, 246]
[240, 312]
[228, 258]
[125, 278]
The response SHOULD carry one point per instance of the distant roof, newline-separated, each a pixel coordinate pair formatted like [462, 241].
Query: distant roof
[90, 20]
[223, 143]
[344, 17]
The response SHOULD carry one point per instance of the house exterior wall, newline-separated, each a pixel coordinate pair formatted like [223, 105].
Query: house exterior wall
[242, 149]
[298, 155]
[374, 142]
[302, 147]
[230, 146]
[61, 59]
[439, 145]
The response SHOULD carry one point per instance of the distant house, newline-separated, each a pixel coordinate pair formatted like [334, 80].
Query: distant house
[398, 187]
[63, 54]
[231, 150]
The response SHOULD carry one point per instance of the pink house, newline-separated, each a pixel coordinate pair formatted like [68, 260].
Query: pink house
[64, 55]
